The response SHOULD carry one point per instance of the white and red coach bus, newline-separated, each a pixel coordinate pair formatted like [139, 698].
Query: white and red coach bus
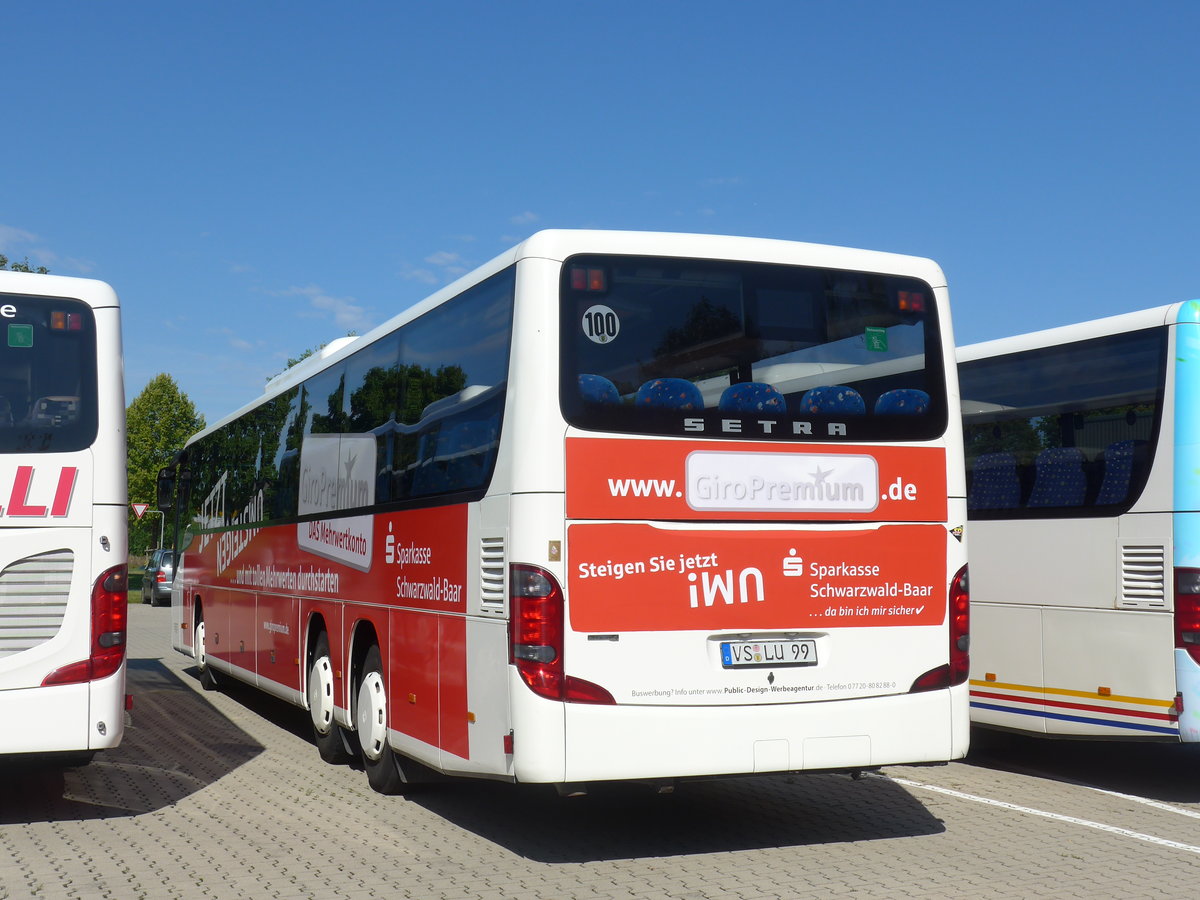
[63, 518]
[613, 506]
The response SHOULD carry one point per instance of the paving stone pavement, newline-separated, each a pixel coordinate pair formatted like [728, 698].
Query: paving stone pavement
[222, 795]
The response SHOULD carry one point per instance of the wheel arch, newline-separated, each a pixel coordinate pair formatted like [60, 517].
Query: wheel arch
[363, 638]
[313, 630]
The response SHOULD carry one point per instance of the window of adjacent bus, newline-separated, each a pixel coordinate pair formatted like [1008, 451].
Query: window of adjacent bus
[751, 351]
[47, 376]
[1062, 431]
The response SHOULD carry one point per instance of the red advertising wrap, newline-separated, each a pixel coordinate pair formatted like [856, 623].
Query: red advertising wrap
[696, 480]
[398, 570]
[625, 576]
[631, 577]
[414, 559]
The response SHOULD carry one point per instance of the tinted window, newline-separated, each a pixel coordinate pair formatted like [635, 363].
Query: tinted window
[453, 377]
[679, 347]
[429, 398]
[1062, 431]
[47, 376]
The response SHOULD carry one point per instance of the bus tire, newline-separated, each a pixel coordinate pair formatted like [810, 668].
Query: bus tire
[208, 678]
[327, 735]
[370, 721]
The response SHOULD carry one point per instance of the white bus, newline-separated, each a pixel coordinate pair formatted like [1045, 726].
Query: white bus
[63, 518]
[613, 506]
[1083, 454]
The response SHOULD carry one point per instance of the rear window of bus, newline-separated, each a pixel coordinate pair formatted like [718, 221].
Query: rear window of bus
[748, 351]
[47, 375]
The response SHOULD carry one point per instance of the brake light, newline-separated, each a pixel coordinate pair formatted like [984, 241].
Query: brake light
[161, 577]
[536, 638]
[66, 321]
[910, 301]
[960, 627]
[959, 610]
[1187, 611]
[583, 279]
[110, 617]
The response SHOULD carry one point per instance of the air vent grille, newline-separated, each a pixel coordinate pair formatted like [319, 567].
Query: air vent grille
[491, 571]
[33, 600]
[1143, 576]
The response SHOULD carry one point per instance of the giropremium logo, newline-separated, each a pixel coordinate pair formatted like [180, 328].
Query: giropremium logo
[782, 482]
[337, 471]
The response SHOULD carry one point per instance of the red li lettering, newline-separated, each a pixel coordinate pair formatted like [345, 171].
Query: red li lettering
[17, 505]
[66, 489]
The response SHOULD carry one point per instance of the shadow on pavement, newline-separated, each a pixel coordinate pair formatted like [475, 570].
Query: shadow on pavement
[1157, 771]
[626, 821]
[175, 745]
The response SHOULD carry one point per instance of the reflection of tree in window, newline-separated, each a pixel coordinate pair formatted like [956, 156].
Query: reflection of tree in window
[376, 400]
[705, 322]
[424, 386]
[271, 418]
[1015, 436]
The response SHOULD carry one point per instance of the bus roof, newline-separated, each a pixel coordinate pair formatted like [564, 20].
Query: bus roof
[1067, 334]
[96, 294]
[559, 244]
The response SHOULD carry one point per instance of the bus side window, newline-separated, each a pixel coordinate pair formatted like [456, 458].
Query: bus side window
[1118, 472]
[994, 484]
[1060, 480]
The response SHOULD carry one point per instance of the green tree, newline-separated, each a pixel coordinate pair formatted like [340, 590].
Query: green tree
[22, 266]
[158, 423]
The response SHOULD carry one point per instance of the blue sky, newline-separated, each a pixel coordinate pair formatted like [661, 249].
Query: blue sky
[257, 178]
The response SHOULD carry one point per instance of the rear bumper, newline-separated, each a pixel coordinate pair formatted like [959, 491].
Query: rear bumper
[603, 743]
[66, 718]
[1187, 682]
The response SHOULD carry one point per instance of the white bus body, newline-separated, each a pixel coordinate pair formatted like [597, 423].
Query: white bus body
[62, 517]
[1084, 495]
[516, 532]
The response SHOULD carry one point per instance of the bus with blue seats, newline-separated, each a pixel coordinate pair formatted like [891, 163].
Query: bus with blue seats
[1084, 504]
[614, 506]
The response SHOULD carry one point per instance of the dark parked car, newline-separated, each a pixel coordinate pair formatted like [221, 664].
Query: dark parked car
[156, 582]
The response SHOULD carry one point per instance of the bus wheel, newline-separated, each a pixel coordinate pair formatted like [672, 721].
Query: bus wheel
[331, 743]
[208, 678]
[370, 719]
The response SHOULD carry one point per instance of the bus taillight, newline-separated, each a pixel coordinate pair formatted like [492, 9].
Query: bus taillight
[1187, 611]
[959, 612]
[110, 616]
[536, 638]
[960, 627]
